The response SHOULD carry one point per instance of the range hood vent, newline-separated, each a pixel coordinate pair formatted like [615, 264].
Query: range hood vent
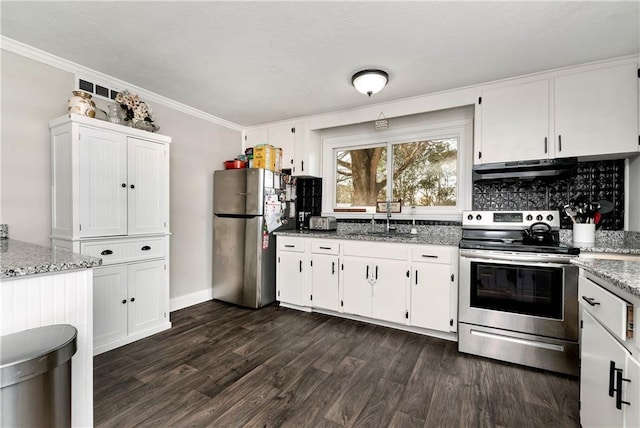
[526, 170]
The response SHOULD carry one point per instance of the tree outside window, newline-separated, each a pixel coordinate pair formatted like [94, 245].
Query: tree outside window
[424, 174]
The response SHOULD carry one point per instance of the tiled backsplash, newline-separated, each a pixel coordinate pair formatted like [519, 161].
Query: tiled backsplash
[594, 180]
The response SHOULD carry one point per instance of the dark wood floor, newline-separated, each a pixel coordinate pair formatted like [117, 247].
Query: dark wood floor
[225, 366]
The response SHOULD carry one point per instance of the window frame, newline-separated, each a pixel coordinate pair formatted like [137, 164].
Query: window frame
[460, 128]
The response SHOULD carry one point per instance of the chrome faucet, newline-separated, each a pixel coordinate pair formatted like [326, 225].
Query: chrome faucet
[388, 215]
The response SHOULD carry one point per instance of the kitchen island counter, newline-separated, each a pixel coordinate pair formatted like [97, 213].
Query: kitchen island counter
[430, 235]
[623, 274]
[18, 259]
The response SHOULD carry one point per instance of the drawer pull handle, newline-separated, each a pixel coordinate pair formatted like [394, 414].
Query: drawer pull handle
[145, 248]
[106, 253]
[325, 248]
[429, 256]
[612, 377]
[590, 300]
[289, 246]
[620, 379]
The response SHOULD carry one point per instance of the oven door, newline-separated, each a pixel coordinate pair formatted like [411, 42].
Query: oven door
[519, 292]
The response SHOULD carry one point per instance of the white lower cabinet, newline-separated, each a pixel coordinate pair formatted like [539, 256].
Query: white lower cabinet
[434, 288]
[609, 370]
[290, 270]
[375, 289]
[129, 300]
[404, 284]
[356, 279]
[290, 283]
[389, 291]
[325, 274]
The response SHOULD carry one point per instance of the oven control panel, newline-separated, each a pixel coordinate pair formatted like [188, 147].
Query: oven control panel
[509, 219]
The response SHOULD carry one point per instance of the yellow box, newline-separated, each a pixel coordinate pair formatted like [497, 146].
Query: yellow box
[264, 156]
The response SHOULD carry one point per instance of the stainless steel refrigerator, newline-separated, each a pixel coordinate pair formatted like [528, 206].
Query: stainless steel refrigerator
[247, 207]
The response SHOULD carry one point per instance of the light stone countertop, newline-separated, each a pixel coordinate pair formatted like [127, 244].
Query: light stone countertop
[624, 274]
[18, 259]
[435, 235]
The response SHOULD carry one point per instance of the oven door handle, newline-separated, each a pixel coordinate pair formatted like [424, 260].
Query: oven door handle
[515, 259]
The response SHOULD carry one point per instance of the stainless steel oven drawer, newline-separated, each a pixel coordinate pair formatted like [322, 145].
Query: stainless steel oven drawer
[533, 351]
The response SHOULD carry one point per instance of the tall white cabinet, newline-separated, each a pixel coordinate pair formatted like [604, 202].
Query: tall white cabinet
[110, 199]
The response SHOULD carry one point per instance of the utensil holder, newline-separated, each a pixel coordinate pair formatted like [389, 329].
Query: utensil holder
[584, 234]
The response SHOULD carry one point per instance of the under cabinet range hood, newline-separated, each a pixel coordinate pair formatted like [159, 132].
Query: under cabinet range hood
[526, 170]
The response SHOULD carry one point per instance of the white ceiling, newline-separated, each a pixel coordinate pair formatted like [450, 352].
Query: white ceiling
[258, 62]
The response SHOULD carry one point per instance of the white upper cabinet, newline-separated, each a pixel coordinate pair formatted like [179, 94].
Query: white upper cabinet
[515, 122]
[107, 179]
[103, 183]
[300, 146]
[306, 151]
[253, 137]
[596, 112]
[148, 197]
[282, 136]
[584, 112]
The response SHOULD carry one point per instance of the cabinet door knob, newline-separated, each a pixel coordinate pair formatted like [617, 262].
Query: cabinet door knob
[124, 302]
[106, 253]
[132, 186]
[124, 185]
[133, 299]
[145, 248]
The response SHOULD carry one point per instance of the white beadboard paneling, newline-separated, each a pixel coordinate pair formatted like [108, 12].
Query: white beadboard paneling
[63, 298]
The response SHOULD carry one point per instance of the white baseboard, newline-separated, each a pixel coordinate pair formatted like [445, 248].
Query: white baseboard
[182, 302]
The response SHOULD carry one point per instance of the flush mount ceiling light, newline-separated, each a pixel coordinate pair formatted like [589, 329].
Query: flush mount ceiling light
[370, 82]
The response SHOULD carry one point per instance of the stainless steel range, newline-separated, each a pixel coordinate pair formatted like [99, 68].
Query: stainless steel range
[518, 297]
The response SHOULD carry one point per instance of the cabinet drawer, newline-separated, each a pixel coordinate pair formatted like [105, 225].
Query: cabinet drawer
[150, 248]
[606, 307]
[120, 251]
[324, 247]
[431, 254]
[378, 250]
[109, 251]
[290, 244]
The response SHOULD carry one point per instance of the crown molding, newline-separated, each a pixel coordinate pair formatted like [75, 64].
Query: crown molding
[83, 72]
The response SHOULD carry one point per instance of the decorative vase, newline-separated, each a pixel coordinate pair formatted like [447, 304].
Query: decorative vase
[80, 103]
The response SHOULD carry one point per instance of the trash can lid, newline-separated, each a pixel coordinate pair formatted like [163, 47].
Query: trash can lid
[30, 353]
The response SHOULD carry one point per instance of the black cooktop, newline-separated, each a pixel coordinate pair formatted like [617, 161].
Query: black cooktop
[515, 241]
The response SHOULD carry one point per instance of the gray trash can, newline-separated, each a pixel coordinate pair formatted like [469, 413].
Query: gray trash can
[35, 376]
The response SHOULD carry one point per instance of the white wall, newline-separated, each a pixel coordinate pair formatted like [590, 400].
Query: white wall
[32, 94]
